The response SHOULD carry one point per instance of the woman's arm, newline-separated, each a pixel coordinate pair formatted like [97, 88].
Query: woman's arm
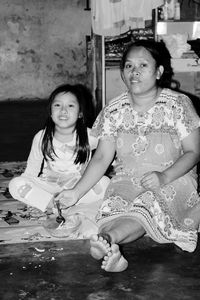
[97, 167]
[35, 157]
[190, 157]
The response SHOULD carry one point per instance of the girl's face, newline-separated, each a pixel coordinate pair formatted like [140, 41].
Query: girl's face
[140, 72]
[65, 111]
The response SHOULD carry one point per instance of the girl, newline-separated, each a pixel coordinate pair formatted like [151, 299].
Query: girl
[60, 152]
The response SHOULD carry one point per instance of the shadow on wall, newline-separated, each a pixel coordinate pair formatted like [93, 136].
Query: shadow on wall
[20, 120]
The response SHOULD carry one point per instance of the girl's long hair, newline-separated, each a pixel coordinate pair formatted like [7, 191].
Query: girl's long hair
[86, 119]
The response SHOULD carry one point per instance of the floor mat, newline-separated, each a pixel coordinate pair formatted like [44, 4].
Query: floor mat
[8, 170]
[20, 223]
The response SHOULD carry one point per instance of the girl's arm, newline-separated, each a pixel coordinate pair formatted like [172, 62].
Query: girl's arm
[97, 167]
[190, 157]
[35, 157]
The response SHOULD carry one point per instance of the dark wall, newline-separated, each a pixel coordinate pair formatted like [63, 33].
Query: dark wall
[19, 121]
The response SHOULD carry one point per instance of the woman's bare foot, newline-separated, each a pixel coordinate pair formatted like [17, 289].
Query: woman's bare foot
[99, 246]
[114, 261]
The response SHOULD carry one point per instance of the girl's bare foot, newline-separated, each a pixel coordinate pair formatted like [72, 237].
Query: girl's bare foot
[99, 246]
[114, 261]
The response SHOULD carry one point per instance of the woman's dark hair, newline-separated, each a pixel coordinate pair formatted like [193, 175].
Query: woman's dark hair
[85, 120]
[160, 53]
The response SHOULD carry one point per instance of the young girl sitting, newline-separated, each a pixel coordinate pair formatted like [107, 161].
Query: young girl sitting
[59, 154]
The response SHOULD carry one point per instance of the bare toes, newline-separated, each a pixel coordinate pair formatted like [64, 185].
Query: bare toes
[114, 261]
[99, 247]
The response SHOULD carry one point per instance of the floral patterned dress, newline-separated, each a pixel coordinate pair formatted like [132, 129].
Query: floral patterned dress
[145, 142]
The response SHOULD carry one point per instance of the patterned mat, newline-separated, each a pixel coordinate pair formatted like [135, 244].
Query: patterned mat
[8, 170]
[20, 223]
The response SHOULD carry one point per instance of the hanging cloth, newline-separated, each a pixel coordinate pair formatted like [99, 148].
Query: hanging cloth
[114, 17]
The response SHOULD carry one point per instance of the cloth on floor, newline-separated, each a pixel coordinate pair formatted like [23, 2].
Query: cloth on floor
[31, 224]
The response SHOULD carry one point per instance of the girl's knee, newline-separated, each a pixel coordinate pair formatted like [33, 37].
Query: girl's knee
[97, 192]
[18, 187]
[102, 185]
[104, 181]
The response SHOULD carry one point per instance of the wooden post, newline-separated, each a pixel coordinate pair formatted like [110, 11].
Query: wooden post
[98, 71]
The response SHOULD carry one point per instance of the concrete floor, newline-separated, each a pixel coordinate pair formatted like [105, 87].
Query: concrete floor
[66, 271]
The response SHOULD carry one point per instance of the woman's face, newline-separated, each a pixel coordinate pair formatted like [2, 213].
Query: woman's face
[140, 72]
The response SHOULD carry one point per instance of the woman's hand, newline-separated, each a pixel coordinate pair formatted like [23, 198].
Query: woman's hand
[153, 180]
[67, 198]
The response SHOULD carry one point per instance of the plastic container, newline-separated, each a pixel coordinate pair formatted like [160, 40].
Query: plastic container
[60, 230]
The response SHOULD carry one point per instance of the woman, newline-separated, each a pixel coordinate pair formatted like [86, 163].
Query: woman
[155, 133]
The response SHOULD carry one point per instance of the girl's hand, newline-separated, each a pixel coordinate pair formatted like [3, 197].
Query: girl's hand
[67, 197]
[153, 180]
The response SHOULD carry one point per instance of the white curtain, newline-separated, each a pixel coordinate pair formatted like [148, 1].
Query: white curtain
[113, 17]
